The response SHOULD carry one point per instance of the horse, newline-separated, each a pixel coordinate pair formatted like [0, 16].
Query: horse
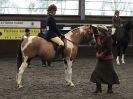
[36, 46]
[122, 40]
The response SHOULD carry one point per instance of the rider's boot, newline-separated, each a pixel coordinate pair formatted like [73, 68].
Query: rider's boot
[59, 51]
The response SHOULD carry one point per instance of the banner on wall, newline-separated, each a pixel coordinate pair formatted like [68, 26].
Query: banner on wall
[15, 33]
[22, 24]
[14, 30]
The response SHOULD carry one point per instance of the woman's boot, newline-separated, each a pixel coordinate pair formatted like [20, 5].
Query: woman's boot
[109, 89]
[98, 88]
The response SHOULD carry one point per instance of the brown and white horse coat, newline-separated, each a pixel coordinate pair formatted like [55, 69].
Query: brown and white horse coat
[35, 46]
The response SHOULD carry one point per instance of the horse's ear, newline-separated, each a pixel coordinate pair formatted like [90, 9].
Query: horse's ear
[87, 25]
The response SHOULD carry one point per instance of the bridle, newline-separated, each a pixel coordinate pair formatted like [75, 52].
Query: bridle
[75, 42]
[93, 33]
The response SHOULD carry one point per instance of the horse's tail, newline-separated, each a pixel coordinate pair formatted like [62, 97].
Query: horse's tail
[19, 57]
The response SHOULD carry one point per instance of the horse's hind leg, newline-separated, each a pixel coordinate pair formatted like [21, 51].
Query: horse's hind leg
[68, 71]
[21, 71]
[118, 55]
[123, 53]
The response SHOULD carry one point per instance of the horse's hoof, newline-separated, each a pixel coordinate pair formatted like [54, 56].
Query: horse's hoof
[43, 65]
[118, 63]
[123, 62]
[72, 85]
[20, 86]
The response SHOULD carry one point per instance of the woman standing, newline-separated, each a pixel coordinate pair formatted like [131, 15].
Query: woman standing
[104, 72]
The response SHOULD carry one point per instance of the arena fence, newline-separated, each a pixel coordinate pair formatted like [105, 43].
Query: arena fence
[10, 43]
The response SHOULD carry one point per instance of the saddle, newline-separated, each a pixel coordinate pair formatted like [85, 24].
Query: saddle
[58, 49]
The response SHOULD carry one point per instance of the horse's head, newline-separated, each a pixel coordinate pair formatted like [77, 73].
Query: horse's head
[131, 23]
[128, 25]
[76, 34]
[87, 31]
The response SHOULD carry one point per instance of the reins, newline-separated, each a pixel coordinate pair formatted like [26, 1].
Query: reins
[71, 41]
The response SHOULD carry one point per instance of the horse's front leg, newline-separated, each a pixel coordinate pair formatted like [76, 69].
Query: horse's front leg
[21, 71]
[123, 59]
[68, 71]
[123, 52]
[118, 60]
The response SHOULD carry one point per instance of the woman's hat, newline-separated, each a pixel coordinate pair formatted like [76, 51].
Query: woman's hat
[102, 28]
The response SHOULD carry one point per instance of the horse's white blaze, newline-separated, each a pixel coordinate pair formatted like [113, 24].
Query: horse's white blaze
[94, 38]
[29, 41]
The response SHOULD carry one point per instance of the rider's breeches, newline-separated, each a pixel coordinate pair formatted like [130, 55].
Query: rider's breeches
[113, 30]
[57, 40]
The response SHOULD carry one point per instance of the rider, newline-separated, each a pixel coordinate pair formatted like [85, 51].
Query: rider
[116, 23]
[27, 33]
[53, 33]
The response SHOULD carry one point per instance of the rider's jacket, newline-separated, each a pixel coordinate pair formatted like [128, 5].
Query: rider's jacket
[52, 30]
[116, 21]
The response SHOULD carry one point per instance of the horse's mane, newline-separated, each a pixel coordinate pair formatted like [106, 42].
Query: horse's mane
[75, 29]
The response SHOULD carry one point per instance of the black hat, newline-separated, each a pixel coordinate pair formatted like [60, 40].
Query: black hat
[27, 30]
[116, 11]
[52, 7]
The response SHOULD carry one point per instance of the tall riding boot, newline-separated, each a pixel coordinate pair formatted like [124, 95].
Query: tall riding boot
[59, 50]
[109, 88]
[98, 88]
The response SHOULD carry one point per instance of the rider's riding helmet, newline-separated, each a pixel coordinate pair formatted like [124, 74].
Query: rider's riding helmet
[27, 30]
[52, 8]
[116, 11]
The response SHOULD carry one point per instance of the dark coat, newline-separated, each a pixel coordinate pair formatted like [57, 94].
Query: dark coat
[52, 30]
[104, 48]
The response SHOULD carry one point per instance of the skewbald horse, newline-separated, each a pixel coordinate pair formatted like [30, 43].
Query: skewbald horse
[35, 46]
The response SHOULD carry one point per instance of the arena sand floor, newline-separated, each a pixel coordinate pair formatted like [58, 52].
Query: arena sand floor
[48, 82]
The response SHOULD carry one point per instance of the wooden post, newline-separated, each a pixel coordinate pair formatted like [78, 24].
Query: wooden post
[82, 9]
